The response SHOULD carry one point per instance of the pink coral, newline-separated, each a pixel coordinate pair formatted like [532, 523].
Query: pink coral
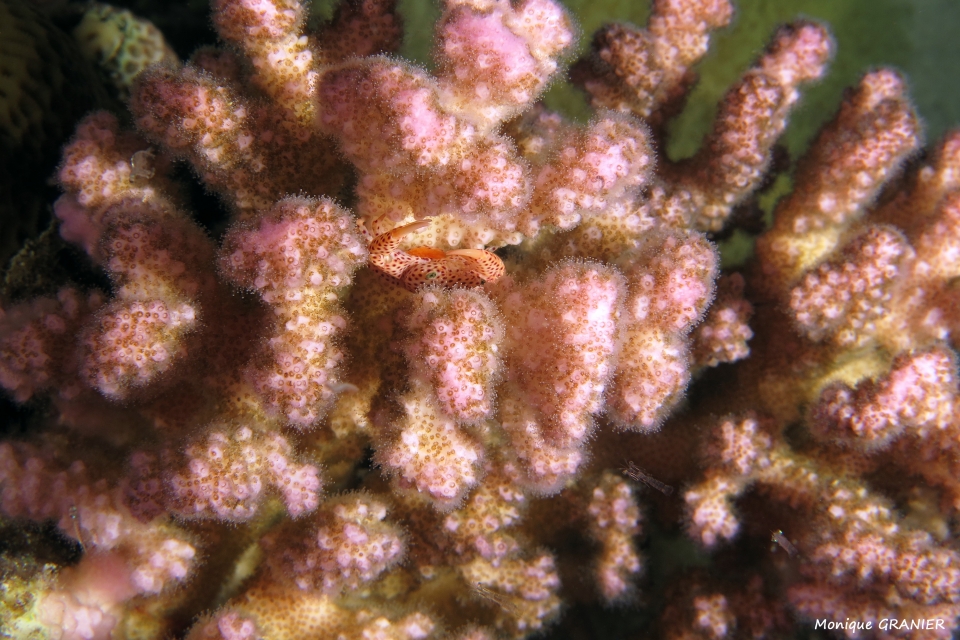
[614, 520]
[492, 62]
[855, 546]
[425, 449]
[226, 476]
[845, 300]
[299, 255]
[641, 69]
[919, 394]
[669, 290]
[126, 557]
[228, 626]
[724, 332]
[35, 348]
[560, 381]
[157, 258]
[459, 313]
[593, 169]
[345, 545]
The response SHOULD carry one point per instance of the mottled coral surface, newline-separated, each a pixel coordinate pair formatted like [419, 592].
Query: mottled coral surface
[459, 367]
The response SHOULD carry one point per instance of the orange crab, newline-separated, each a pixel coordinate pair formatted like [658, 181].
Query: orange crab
[424, 265]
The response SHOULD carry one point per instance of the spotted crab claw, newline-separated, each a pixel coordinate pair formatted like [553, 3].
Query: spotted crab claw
[428, 266]
[385, 254]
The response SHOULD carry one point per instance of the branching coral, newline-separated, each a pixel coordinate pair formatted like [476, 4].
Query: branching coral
[404, 418]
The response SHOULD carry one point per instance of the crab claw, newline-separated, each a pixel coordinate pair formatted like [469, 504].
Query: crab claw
[463, 267]
[425, 265]
[488, 265]
[385, 254]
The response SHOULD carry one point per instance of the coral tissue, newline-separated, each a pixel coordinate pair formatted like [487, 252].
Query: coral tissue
[395, 399]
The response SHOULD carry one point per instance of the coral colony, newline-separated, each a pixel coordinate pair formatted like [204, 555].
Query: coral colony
[396, 400]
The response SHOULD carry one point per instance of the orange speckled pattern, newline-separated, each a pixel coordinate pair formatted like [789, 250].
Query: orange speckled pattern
[428, 266]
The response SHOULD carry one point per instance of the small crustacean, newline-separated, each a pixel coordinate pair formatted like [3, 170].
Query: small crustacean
[636, 474]
[424, 265]
[784, 542]
[496, 598]
[75, 517]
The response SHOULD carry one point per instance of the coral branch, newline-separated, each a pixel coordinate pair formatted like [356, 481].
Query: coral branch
[644, 71]
[299, 256]
[390, 388]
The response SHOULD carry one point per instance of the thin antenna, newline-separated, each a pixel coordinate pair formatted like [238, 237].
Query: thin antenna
[496, 598]
[638, 475]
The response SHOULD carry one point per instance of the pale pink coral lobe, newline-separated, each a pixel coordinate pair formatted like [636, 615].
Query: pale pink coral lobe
[403, 420]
